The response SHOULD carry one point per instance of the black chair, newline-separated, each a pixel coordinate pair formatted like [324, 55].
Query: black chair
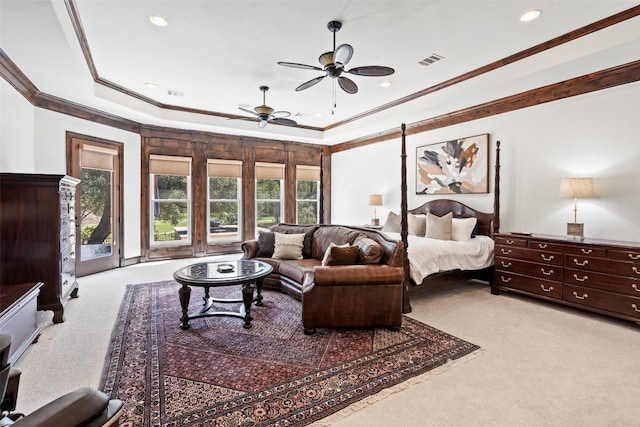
[84, 407]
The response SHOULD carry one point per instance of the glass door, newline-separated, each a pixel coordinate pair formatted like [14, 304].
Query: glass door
[97, 164]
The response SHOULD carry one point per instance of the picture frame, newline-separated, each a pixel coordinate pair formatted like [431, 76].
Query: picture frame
[458, 166]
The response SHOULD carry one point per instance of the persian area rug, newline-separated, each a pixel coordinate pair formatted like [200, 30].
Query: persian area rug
[218, 373]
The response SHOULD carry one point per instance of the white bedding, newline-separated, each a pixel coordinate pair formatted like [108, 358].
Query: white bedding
[428, 256]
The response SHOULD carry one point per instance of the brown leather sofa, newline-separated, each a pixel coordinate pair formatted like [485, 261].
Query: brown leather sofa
[365, 293]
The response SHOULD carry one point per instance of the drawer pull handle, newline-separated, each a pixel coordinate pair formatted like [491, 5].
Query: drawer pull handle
[505, 280]
[581, 279]
[506, 251]
[635, 287]
[635, 307]
[549, 289]
[509, 242]
[549, 258]
[65, 259]
[581, 264]
[635, 270]
[634, 257]
[583, 296]
[586, 251]
[542, 245]
[508, 264]
[546, 273]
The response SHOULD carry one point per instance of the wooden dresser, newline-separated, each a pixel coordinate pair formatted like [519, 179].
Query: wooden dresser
[37, 236]
[597, 275]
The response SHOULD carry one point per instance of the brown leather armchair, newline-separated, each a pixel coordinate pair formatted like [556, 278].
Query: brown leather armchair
[84, 407]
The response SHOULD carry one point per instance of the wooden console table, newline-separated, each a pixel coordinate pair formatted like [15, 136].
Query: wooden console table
[602, 276]
[19, 317]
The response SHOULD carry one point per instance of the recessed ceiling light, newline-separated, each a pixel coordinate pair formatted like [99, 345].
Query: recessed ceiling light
[385, 84]
[530, 15]
[151, 85]
[318, 115]
[158, 20]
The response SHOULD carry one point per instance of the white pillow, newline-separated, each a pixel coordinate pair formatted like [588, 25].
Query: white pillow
[461, 228]
[288, 246]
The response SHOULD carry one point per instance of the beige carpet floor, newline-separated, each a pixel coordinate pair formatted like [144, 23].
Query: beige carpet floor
[540, 364]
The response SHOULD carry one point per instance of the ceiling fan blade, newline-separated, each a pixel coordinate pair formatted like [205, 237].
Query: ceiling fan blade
[284, 122]
[372, 70]
[303, 66]
[248, 111]
[310, 83]
[280, 114]
[347, 85]
[342, 55]
[262, 124]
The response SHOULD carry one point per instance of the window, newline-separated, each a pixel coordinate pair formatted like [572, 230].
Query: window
[224, 200]
[307, 194]
[170, 194]
[269, 194]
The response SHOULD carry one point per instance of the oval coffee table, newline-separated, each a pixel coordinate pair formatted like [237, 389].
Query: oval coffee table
[248, 273]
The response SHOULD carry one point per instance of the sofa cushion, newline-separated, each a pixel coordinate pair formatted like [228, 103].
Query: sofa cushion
[297, 229]
[288, 246]
[341, 255]
[266, 242]
[370, 250]
[296, 269]
[323, 236]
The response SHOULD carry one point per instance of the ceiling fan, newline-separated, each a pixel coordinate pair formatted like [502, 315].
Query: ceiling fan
[266, 113]
[333, 64]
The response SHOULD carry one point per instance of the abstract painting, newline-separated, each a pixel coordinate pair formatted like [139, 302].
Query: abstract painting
[460, 166]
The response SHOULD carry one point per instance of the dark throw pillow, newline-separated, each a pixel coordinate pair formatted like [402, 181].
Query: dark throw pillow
[370, 250]
[266, 243]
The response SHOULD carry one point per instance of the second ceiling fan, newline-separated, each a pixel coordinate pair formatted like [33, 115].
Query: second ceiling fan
[333, 64]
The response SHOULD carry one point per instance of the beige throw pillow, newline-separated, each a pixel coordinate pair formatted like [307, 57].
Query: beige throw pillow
[439, 227]
[392, 224]
[417, 224]
[288, 246]
[461, 228]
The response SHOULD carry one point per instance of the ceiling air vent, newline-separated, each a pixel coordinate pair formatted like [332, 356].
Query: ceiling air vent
[431, 59]
[174, 93]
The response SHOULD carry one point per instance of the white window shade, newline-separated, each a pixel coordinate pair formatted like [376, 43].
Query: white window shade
[224, 168]
[170, 165]
[307, 173]
[97, 157]
[269, 171]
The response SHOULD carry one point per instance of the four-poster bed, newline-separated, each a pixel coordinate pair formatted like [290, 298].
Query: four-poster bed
[487, 225]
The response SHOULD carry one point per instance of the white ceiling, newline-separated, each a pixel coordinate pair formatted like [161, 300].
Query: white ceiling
[219, 52]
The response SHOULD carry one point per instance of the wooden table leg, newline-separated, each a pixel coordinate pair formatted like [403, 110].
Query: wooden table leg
[247, 298]
[185, 295]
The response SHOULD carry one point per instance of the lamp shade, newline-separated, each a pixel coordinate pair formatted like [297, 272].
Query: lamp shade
[375, 200]
[576, 188]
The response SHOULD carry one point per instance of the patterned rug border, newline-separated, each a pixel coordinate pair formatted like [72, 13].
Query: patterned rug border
[322, 414]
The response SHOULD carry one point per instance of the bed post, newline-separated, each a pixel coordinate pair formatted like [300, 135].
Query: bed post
[496, 193]
[406, 303]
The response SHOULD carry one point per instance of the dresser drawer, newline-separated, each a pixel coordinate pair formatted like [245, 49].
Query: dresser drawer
[68, 260]
[509, 241]
[603, 265]
[552, 258]
[631, 255]
[542, 271]
[603, 300]
[605, 282]
[547, 288]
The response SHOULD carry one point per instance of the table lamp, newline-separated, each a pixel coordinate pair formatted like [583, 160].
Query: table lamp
[375, 200]
[576, 188]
